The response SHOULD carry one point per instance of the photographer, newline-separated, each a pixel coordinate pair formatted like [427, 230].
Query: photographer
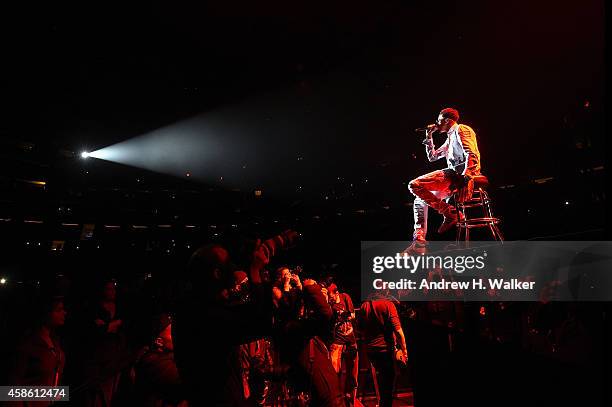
[302, 328]
[211, 323]
[303, 345]
[208, 330]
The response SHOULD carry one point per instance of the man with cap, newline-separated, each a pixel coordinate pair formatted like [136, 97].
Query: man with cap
[463, 163]
[208, 329]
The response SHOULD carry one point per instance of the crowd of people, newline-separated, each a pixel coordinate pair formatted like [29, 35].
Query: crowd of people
[238, 324]
[239, 331]
[273, 338]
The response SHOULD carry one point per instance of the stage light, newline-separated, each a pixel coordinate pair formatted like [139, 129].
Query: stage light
[2, 280]
[85, 154]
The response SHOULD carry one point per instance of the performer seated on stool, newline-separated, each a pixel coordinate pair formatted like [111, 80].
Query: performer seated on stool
[463, 162]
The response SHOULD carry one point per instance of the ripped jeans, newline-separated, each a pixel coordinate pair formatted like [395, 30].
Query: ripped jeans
[432, 189]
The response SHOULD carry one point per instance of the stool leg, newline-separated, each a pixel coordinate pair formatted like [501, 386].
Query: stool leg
[483, 202]
[497, 234]
[486, 208]
[492, 231]
[458, 236]
[487, 205]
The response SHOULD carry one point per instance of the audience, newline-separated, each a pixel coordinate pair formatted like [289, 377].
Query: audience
[231, 336]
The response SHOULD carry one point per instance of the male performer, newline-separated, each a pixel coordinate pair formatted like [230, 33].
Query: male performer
[463, 162]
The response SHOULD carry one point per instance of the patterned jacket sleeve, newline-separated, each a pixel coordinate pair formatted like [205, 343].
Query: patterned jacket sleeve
[432, 153]
[470, 146]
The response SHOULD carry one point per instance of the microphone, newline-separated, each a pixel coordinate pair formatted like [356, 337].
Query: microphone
[427, 128]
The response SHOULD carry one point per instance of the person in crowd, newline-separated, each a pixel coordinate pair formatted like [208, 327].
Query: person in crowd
[40, 359]
[344, 344]
[381, 330]
[106, 353]
[240, 291]
[302, 344]
[208, 329]
[255, 361]
[287, 295]
[157, 380]
[255, 356]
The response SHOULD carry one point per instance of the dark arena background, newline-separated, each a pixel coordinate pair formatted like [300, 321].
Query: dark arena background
[134, 134]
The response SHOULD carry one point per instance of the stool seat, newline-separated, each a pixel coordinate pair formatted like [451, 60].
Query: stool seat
[480, 181]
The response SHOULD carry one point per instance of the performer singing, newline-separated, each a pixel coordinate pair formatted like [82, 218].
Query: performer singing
[433, 189]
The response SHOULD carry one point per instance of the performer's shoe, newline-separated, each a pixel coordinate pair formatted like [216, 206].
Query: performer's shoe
[417, 247]
[450, 219]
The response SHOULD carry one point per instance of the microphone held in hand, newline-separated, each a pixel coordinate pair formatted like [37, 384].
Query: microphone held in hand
[427, 128]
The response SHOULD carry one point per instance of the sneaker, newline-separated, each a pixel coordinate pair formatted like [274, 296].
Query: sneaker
[416, 248]
[450, 220]
[418, 234]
